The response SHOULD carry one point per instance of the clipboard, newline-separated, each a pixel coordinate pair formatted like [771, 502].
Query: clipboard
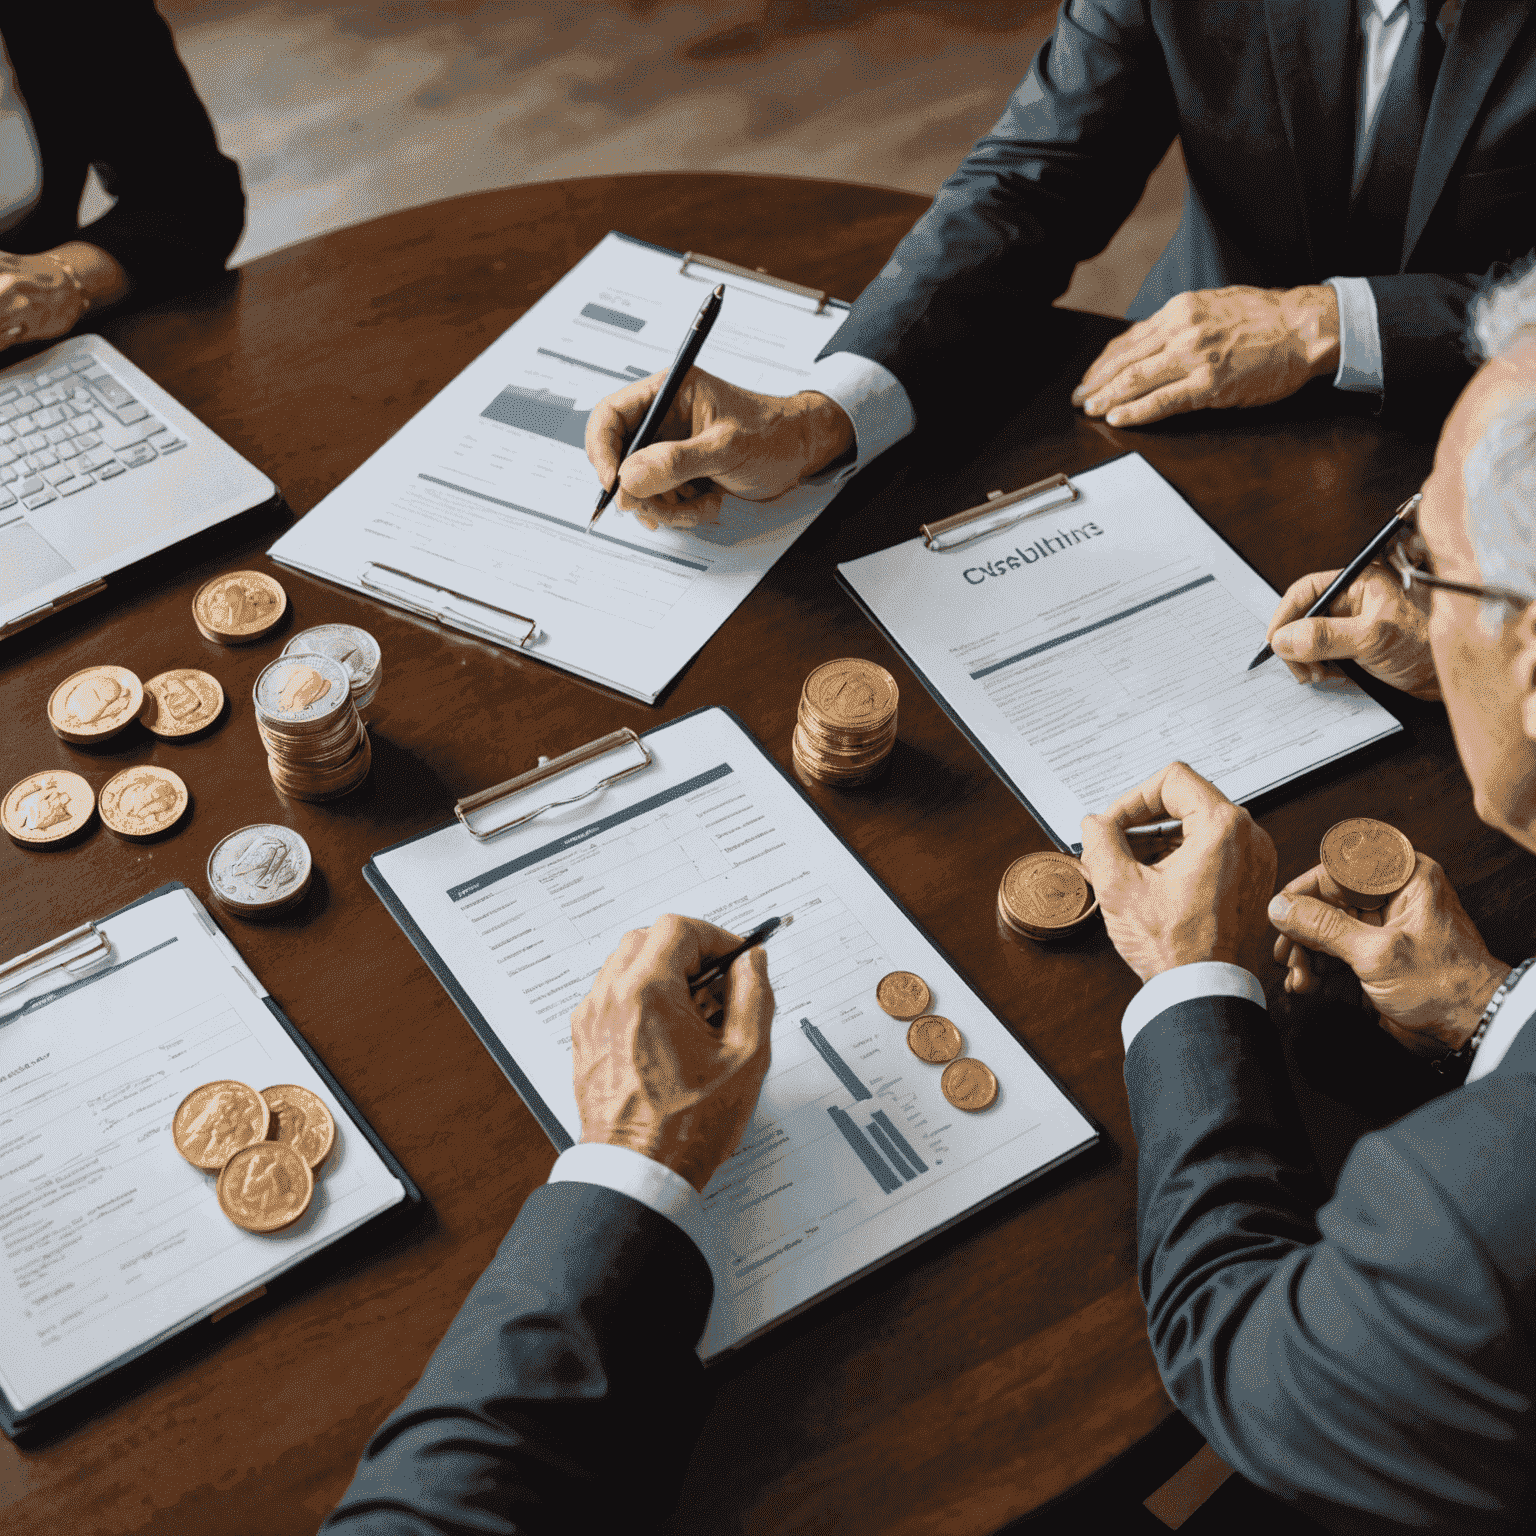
[79, 955]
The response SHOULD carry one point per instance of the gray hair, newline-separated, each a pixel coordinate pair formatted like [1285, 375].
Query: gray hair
[1500, 471]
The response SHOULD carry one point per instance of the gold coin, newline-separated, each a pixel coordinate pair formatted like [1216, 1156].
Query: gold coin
[94, 704]
[968, 1084]
[934, 1039]
[265, 1187]
[903, 995]
[1367, 859]
[47, 807]
[301, 1121]
[851, 693]
[239, 607]
[213, 1122]
[139, 802]
[181, 702]
[1045, 890]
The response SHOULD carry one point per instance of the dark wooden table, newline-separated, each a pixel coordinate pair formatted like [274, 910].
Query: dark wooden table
[961, 1387]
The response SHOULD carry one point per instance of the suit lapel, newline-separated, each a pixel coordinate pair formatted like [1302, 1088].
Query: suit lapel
[1484, 34]
[1315, 48]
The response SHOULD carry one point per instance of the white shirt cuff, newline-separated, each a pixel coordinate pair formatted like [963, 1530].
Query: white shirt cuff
[640, 1177]
[876, 404]
[1359, 369]
[1513, 1014]
[1205, 978]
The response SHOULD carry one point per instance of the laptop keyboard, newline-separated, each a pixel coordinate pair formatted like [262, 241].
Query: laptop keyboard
[66, 428]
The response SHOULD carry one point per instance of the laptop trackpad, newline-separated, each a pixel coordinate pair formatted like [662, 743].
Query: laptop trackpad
[27, 560]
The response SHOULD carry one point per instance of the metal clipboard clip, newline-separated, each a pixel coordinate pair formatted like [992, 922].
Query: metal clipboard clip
[66, 958]
[999, 511]
[456, 609]
[592, 769]
[758, 275]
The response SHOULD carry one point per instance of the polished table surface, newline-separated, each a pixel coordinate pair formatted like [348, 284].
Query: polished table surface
[957, 1388]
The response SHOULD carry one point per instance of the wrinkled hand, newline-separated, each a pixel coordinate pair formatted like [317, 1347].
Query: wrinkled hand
[1421, 963]
[716, 438]
[1206, 900]
[37, 300]
[1214, 347]
[1373, 621]
[651, 1075]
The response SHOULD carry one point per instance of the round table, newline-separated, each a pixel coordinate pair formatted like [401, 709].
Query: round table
[957, 1388]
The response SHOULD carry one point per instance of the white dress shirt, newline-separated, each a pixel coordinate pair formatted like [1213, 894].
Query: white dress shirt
[634, 1174]
[21, 166]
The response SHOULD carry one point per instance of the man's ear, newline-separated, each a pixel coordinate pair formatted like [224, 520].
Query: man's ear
[1525, 665]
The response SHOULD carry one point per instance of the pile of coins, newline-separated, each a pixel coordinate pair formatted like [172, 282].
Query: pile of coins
[354, 648]
[144, 801]
[239, 607]
[847, 722]
[1368, 860]
[93, 705]
[1045, 896]
[968, 1084]
[260, 871]
[317, 746]
[264, 1147]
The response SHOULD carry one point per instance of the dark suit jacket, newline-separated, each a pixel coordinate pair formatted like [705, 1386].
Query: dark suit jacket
[1369, 1358]
[1262, 94]
[104, 87]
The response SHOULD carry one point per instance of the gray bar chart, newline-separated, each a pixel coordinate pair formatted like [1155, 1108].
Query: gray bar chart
[845, 1073]
[902, 1145]
[867, 1154]
[886, 1145]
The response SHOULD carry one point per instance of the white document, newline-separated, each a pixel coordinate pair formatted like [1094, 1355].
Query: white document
[483, 498]
[853, 1153]
[1086, 648]
[109, 1239]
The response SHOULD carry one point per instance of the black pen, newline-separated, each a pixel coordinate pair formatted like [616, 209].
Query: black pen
[722, 963]
[1352, 570]
[650, 423]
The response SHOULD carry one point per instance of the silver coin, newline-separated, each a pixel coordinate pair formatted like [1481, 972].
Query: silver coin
[354, 648]
[302, 689]
[260, 866]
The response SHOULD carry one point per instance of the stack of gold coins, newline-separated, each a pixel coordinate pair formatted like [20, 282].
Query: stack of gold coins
[260, 871]
[354, 648]
[239, 607]
[94, 704]
[317, 747]
[1368, 860]
[1045, 896]
[847, 722]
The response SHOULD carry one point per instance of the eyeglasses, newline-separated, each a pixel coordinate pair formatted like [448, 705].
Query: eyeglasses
[1409, 557]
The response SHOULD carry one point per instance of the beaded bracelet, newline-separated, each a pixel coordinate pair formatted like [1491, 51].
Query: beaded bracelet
[1463, 1057]
[71, 274]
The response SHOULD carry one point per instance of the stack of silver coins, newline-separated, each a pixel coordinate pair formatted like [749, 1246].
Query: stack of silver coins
[354, 648]
[317, 746]
[260, 871]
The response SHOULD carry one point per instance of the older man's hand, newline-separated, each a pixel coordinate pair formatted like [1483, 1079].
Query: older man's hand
[1373, 622]
[1214, 347]
[716, 438]
[651, 1073]
[1421, 963]
[1206, 900]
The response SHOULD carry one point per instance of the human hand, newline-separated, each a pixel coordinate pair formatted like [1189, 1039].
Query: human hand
[715, 438]
[38, 299]
[1206, 900]
[1373, 621]
[650, 1074]
[1421, 963]
[1214, 347]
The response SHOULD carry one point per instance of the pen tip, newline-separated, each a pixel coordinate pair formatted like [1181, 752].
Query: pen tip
[784, 922]
[1261, 658]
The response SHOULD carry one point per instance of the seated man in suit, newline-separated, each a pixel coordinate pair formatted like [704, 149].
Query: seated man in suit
[1355, 167]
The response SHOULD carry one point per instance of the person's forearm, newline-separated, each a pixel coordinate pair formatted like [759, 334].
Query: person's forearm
[100, 275]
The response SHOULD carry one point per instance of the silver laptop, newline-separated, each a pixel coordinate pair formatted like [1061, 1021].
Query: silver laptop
[98, 468]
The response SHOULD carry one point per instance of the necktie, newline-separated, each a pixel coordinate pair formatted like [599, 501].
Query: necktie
[1380, 209]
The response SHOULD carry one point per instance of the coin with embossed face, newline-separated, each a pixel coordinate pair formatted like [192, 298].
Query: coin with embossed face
[181, 702]
[265, 1187]
[969, 1084]
[903, 995]
[304, 690]
[354, 648]
[851, 694]
[139, 802]
[1043, 894]
[213, 1122]
[300, 1119]
[935, 1039]
[1368, 860]
[239, 607]
[95, 704]
[260, 870]
[47, 807]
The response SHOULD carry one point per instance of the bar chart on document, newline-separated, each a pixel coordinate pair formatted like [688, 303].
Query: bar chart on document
[853, 1153]
[477, 509]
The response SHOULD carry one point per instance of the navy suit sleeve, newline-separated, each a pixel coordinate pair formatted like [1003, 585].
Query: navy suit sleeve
[1368, 1360]
[567, 1394]
[1045, 189]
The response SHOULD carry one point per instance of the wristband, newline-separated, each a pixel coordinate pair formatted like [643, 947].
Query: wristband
[1463, 1057]
[72, 275]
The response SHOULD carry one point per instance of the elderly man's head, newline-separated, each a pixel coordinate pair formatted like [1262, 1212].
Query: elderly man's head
[1478, 519]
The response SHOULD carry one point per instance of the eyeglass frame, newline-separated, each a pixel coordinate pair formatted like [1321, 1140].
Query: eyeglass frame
[1409, 574]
